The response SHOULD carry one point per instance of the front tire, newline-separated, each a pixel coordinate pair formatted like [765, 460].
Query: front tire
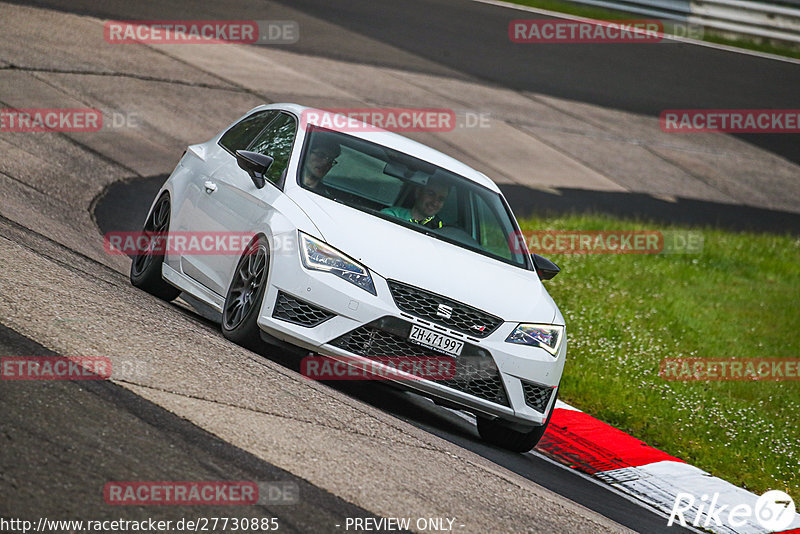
[145, 267]
[243, 301]
[495, 432]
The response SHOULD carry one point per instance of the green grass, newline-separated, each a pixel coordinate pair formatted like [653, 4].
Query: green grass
[753, 44]
[709, 35]
[627, 312]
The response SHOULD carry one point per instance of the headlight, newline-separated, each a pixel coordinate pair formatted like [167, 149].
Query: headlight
[318, 256]
[546, 336]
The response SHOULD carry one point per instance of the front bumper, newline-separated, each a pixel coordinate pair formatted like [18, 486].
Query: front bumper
[327, 315]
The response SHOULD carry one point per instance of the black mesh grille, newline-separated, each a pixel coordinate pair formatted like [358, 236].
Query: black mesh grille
[536, 396]
[425, 304]
[475, 370]
[294, 310]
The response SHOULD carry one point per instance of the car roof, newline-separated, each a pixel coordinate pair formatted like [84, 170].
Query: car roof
[386, 138]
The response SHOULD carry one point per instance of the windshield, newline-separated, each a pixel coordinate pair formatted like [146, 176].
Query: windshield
[409, 192]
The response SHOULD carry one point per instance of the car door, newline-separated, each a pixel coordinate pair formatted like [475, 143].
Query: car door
[189, 215]
[231, 202]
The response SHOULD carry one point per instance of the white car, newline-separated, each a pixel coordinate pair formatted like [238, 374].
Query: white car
[366, 246]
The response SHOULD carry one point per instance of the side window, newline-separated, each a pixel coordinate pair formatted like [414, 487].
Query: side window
[276, 141]
[241, 134]
[491, 234]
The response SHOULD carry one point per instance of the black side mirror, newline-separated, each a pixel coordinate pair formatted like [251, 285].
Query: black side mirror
[255, 164]
[545, 268]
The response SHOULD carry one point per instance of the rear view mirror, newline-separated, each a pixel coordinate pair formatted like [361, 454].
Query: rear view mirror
[396, 169]
[255, 164]
[545, 268]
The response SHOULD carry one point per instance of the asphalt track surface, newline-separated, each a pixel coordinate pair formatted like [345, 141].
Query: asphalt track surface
[470, 39]
[124, 207]
[63, 441]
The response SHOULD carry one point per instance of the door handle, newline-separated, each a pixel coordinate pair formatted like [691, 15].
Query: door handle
[210, 187]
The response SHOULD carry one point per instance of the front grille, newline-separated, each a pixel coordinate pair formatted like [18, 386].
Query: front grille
[475, 370]
[294, 310]
[463, 318]
[536, 396]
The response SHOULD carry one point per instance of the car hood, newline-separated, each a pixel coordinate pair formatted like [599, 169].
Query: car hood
[401, 254]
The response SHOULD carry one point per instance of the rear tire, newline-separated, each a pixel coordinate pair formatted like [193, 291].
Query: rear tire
[243, 301]
[494, 431]
[146, 268]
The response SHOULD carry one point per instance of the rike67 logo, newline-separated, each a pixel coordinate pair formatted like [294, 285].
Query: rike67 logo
[774, 511]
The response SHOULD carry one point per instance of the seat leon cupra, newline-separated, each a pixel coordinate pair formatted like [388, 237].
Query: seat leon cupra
[365, 246]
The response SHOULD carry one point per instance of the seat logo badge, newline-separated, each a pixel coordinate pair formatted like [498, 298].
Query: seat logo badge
[444, 311]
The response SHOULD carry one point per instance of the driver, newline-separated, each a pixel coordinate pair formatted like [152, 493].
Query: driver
[428, 200]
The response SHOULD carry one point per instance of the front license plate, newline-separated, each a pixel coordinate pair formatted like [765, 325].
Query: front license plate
[435, 340]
